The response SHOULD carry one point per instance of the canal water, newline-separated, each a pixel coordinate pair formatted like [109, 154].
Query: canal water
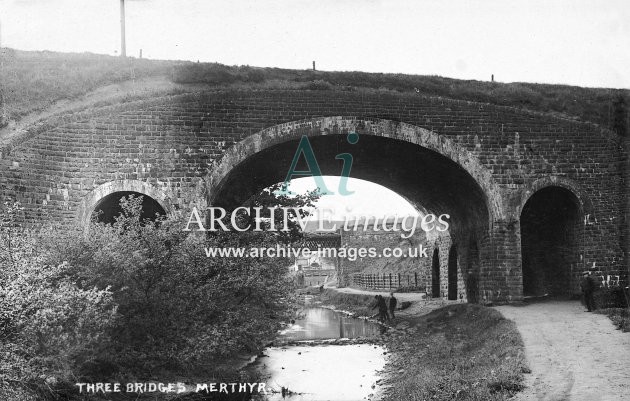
[323, 371]
[321, 323]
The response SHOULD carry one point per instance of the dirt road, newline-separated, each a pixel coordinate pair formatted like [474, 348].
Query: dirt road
[573, 355]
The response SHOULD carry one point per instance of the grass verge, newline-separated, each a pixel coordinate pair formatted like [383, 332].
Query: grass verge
[619, 316]
[358, 304]
[458, 352]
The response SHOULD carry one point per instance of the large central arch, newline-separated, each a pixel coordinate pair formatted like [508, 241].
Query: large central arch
[430, 170]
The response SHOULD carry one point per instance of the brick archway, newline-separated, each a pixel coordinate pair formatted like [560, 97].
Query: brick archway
[327, 126]
[89, 202]
[555, 181]
[552, 220]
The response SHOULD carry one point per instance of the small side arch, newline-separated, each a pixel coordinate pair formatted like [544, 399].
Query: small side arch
[90, 202]
[585, 204]
[552, 217]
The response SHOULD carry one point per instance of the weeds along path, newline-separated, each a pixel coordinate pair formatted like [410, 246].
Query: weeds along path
[573, 355]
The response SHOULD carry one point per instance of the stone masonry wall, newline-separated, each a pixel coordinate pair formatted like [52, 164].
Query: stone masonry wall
[171, 143]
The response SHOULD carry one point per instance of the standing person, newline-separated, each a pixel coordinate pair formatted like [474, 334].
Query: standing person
[382, 308]
[377, 305]
[392, 304]
[588, 287]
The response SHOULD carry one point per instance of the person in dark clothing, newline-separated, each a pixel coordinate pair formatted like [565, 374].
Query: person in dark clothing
[382, 308]
[588, 287]
[392, 304]
[375, 304]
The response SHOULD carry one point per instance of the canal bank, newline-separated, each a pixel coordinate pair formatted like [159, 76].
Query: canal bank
[432, 350]
[442, 351]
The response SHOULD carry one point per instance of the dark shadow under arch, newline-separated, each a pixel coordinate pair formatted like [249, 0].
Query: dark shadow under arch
[472, 273]
[427, 179]
[109, 207]
[435, 274]
[550, 237]
[452, 273]
[432, 172]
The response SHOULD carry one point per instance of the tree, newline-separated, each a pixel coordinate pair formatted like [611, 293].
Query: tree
[298, 209]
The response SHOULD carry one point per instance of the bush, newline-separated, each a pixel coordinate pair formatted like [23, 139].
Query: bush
[179, 309]
[318, 85]
[610, 297]
[49, 326]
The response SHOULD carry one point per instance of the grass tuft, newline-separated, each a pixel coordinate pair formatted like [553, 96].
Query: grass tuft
[619, 316]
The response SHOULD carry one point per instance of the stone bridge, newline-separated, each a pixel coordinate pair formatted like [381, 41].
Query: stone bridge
[534, 199]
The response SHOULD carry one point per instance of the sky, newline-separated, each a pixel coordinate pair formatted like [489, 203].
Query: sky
[367, 199]
[575, 42]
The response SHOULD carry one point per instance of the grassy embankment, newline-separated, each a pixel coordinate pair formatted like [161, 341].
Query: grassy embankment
[32, 81]
[358, 304]
[462, 351]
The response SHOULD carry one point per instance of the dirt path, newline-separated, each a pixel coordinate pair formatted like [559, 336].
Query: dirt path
[420, 304]
[573, 355]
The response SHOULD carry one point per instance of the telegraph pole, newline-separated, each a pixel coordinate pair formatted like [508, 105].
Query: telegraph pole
[3, 111]
[123, 47]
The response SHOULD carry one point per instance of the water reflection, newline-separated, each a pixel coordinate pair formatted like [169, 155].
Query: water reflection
[322, 323]
[325, 372]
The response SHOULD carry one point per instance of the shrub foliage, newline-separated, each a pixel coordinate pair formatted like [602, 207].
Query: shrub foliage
[135, 299]
[49, 325]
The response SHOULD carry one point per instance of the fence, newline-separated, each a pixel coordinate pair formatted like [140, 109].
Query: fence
[315, 277]
[388, 281]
